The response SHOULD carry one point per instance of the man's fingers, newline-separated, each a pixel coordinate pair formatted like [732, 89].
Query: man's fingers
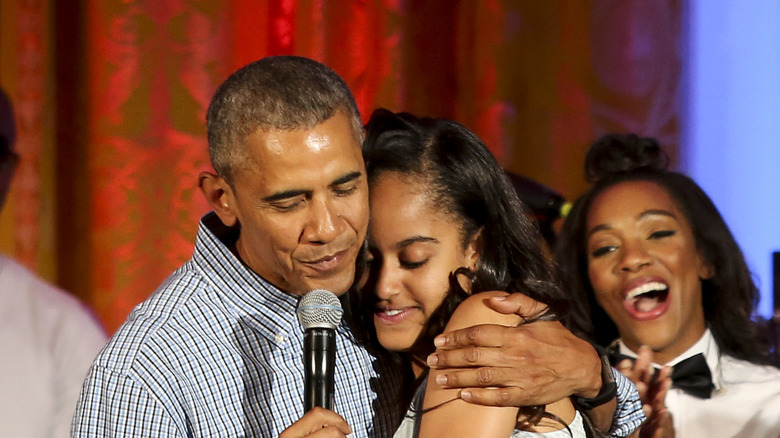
[485, 335]
[318, 423]
[518, 304]
[325, 432]
[510, 396]
[470, 357]
[477, 377]
[496, 336]
[525, 362]
[503, 377]
[496, 386]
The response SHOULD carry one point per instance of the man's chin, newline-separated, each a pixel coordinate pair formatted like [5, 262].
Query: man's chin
[338, 285]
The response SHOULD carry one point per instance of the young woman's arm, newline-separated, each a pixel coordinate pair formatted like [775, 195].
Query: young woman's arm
[456, 418]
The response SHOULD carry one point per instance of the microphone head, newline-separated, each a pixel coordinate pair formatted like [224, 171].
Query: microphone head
[319, 309]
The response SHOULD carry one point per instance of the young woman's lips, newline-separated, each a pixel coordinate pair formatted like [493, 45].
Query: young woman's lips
[393, 316]
[646, 299]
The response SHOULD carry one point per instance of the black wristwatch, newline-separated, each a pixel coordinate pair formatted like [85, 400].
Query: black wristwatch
[608, 386]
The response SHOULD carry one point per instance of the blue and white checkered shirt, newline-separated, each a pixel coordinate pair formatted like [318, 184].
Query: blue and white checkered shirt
[628, 414]
[218, 351]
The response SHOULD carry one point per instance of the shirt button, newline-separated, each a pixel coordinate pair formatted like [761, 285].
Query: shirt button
[279, 337]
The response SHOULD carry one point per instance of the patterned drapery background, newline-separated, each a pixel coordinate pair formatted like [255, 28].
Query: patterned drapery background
[111, 95]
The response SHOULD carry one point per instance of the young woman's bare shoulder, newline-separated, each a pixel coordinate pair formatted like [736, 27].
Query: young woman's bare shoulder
[474, 310]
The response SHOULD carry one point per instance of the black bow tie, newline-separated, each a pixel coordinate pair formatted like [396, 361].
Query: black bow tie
[691, 375]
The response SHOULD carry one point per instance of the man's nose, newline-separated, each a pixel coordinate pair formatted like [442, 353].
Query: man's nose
[325, 223]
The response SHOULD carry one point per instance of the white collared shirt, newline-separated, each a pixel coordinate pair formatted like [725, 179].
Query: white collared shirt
[48, 339]
[745, 403]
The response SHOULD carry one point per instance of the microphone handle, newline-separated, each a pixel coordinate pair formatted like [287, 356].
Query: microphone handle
[319, 367]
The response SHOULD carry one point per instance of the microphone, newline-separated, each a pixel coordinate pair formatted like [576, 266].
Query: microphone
[319, 312]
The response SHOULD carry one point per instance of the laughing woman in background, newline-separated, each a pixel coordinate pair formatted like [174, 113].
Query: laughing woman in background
[648, 253]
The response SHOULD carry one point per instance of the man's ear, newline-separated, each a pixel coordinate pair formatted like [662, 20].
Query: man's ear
[220, 197]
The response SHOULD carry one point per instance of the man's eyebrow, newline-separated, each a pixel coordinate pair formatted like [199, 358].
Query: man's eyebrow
[346, 178]
[287, 194]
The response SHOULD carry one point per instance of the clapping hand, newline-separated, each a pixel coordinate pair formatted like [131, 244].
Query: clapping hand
[652, 389]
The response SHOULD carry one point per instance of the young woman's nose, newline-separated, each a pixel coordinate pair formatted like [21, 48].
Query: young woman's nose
[388, 283]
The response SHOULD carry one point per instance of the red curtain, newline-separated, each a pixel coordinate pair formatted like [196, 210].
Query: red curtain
[111, 98]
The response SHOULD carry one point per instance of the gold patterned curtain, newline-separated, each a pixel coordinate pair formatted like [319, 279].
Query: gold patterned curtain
[111, 97]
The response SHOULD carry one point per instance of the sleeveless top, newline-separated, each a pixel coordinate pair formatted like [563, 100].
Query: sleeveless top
[410, 426]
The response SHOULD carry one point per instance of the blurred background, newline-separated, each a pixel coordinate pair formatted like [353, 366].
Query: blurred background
[111, 95]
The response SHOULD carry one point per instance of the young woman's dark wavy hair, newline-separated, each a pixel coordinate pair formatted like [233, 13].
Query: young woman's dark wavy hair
[467, 184]
[729, 298]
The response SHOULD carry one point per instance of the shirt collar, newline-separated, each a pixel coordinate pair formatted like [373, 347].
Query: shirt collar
[256, 301]
[706, 345]
[268, 309]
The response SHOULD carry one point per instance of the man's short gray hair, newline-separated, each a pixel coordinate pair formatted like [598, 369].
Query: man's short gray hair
[279, 92]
